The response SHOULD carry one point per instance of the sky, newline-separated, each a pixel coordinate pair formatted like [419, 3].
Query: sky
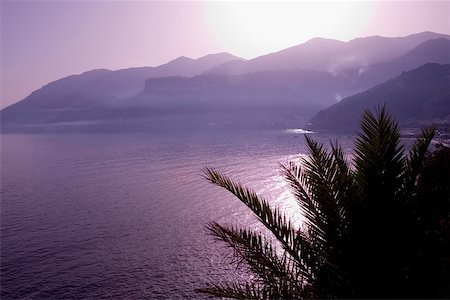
[42, 41]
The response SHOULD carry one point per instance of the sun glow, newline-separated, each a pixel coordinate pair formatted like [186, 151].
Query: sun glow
[255, 28]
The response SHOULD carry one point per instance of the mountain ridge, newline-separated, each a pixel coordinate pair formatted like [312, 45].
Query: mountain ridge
[118, 84]
[416, 97]
[335, 54]
[274, 98]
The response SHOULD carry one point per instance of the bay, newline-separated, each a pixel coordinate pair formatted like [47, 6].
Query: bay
[123, 215]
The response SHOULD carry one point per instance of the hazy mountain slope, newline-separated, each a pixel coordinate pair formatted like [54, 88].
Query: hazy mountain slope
[266, 99]
[98, 85]
[437, 50]
[127, 82]
[184, 66]
[415, 97]
[258, 100]
[315, 54]
[430, 51]
[96, 89]
[270, 88]
[278, 86]
[329, 55]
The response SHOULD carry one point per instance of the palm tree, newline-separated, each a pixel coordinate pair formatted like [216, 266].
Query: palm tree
[359, 233]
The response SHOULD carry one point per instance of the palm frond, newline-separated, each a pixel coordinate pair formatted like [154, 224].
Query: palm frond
[325, 190]
[418, 152]
[235, 290]
[280, 275]
[343, 181]
[327, 178]
[292, 240]
[309, 207]
[359, 224]
[379, 156]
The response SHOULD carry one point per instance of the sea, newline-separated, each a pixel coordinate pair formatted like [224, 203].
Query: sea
[123, 216]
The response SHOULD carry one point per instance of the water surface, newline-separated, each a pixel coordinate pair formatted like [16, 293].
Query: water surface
[123, 216]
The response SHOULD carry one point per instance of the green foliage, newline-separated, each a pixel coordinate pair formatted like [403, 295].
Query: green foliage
[361, 236]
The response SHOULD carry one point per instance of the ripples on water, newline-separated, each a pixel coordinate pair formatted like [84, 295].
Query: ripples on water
[123, 216]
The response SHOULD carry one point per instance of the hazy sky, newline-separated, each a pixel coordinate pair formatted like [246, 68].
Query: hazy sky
[42, 41]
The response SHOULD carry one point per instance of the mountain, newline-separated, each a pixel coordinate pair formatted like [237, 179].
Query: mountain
[417, 97]
[183, 94]
[274, 95]
[127, 82]
[437, 50]
[308, 56]
[329, 55]
[257, 100]
[430, 51]
[97, 89]
[97, 86]
[185, 66]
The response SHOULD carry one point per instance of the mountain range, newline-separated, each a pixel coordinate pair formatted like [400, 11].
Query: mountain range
[330, 55]
[279, 90]
[417, 97]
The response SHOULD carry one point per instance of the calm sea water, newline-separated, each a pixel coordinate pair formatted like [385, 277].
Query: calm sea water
[123, 216]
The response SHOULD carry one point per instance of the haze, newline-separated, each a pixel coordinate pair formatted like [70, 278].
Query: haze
[44, 41]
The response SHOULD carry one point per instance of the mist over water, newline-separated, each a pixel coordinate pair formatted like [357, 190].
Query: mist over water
[123, 216]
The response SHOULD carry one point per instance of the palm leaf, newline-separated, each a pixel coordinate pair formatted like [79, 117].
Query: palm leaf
[418, 152]
[358, 223]
[235, 290]
[280, 275]
[379, 156]
[292, 240]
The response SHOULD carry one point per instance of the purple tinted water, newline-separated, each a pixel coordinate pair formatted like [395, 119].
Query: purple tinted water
[123, 216]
